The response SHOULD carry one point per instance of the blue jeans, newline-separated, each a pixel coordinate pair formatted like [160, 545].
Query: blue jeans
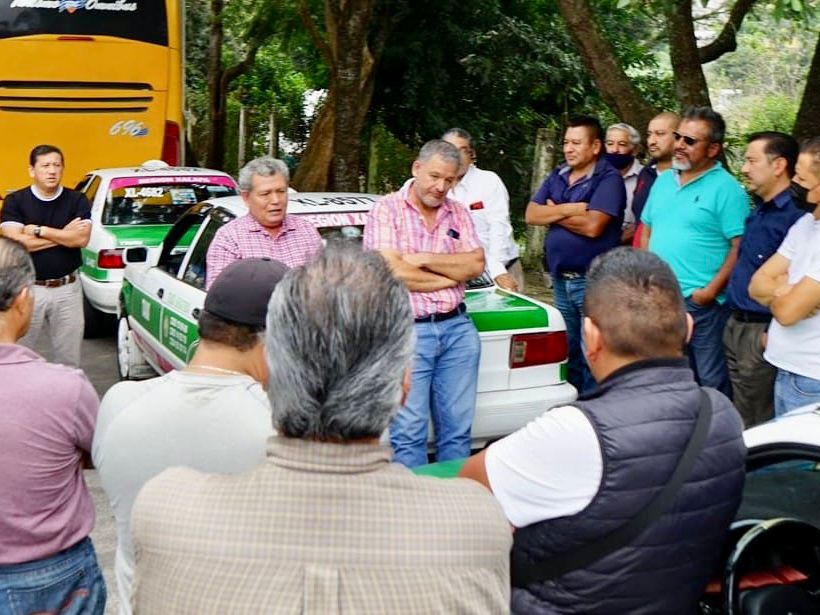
[445, 376]
[69, 583]
[793, 390]
[569, 299]
[707, 356]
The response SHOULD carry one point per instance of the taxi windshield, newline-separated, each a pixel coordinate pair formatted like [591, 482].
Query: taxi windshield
[131, 203]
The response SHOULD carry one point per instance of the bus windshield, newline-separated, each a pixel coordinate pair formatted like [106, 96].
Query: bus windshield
[137, 20]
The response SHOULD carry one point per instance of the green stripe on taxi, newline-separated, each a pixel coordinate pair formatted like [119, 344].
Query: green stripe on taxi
[501, 311]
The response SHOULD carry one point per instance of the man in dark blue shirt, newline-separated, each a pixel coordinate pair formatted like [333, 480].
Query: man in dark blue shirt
[769, 165]
[583, 202]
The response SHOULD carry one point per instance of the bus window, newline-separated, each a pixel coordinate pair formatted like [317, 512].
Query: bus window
[137, 20]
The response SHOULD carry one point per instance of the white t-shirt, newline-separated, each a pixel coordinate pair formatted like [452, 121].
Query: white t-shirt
[796, 348]
[485, 195]
[551, 468]
[217, 424]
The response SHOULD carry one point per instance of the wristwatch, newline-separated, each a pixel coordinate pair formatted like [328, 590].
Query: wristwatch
[37, 230]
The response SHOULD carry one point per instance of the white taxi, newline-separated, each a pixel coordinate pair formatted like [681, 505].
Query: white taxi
[523, 368]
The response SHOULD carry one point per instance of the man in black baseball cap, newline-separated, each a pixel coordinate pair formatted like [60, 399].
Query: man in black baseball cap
[212, 416]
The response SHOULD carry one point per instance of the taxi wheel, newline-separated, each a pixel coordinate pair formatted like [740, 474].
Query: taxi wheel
[97, 324]
[131, 364]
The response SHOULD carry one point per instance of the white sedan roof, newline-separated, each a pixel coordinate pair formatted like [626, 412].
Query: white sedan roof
[309, 203]
[800, 426]
[152, 171]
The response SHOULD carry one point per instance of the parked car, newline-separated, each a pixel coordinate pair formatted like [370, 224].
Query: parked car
[523, 369]
[771, 560]
[134, 207]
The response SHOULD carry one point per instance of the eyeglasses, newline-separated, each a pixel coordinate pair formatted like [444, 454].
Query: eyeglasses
[686, 139]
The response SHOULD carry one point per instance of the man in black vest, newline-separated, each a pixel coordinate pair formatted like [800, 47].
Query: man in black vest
[54, 223]
[579, 483]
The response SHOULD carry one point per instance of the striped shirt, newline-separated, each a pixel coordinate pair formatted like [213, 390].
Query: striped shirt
[295, 245]
[395, 223]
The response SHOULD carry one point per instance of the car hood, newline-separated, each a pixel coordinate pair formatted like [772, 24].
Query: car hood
[800, 426]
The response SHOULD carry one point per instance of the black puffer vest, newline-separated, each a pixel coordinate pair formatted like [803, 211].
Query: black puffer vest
[644, 415]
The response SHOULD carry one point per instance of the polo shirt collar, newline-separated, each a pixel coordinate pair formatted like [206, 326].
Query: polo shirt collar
[255, 227]
[15, 353]
[783, 199]
[718, 166]
[327, 457]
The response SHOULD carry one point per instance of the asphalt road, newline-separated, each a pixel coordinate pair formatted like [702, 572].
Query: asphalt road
[99, 360]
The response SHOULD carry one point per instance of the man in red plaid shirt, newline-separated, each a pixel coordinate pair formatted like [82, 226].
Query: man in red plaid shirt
[431, 245]
[266, 231]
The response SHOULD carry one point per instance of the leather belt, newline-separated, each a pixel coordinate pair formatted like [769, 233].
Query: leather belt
[744, 316]
[55, 282]
[460, 309]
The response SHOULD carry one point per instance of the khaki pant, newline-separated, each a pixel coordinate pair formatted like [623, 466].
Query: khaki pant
[59, 312]
[751, 375]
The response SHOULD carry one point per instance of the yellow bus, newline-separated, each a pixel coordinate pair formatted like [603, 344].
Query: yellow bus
[101, 79]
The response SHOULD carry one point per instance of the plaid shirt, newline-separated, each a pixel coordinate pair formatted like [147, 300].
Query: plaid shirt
[244, 237]
[395, 223]
[319, 528]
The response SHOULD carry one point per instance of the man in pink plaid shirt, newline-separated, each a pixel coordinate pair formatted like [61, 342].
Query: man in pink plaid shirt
[266, 231]
[431, 245]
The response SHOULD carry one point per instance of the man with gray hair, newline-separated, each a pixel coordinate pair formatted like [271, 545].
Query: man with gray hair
[326, 524]
[623, 144]
[431, 245]
[47, 561]
[266, 231]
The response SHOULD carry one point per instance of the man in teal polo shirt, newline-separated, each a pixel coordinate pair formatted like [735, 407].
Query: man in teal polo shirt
[694, 219]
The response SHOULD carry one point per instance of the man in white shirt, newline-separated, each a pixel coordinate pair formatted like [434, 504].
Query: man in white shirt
[623, 144]
[212, 416]
[484, 194]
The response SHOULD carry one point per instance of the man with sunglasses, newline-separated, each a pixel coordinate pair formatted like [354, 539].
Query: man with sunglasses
[694, 219]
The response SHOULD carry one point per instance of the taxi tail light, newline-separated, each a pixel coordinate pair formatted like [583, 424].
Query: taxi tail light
[170, 144]
[110, 259]
[528, 349]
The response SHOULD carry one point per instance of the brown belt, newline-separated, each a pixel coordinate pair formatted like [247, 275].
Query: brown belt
[53, 283]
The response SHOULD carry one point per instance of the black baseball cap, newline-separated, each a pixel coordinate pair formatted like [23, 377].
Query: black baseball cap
[241, 292]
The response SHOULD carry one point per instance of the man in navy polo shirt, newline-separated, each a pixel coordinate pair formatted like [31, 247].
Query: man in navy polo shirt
[583, 202]
[769, 166]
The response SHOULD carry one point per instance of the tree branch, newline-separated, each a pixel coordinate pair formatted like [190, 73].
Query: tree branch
[726, 42]
[315, 35]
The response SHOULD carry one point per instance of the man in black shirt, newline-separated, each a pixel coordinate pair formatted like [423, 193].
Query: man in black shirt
[54, 223]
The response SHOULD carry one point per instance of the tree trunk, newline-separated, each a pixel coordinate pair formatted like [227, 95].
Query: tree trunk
[599, 57]
[543, 163]
[313, 172]
[214, 156]
[273, 145]
[807, 124]
[690, 82]
[352, 26]
[241, 145]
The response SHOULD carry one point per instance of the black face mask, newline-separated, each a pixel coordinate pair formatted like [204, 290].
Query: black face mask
[800, 195]
[620, 161]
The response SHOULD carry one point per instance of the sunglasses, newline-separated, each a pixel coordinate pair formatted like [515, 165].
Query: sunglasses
[686, 139]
